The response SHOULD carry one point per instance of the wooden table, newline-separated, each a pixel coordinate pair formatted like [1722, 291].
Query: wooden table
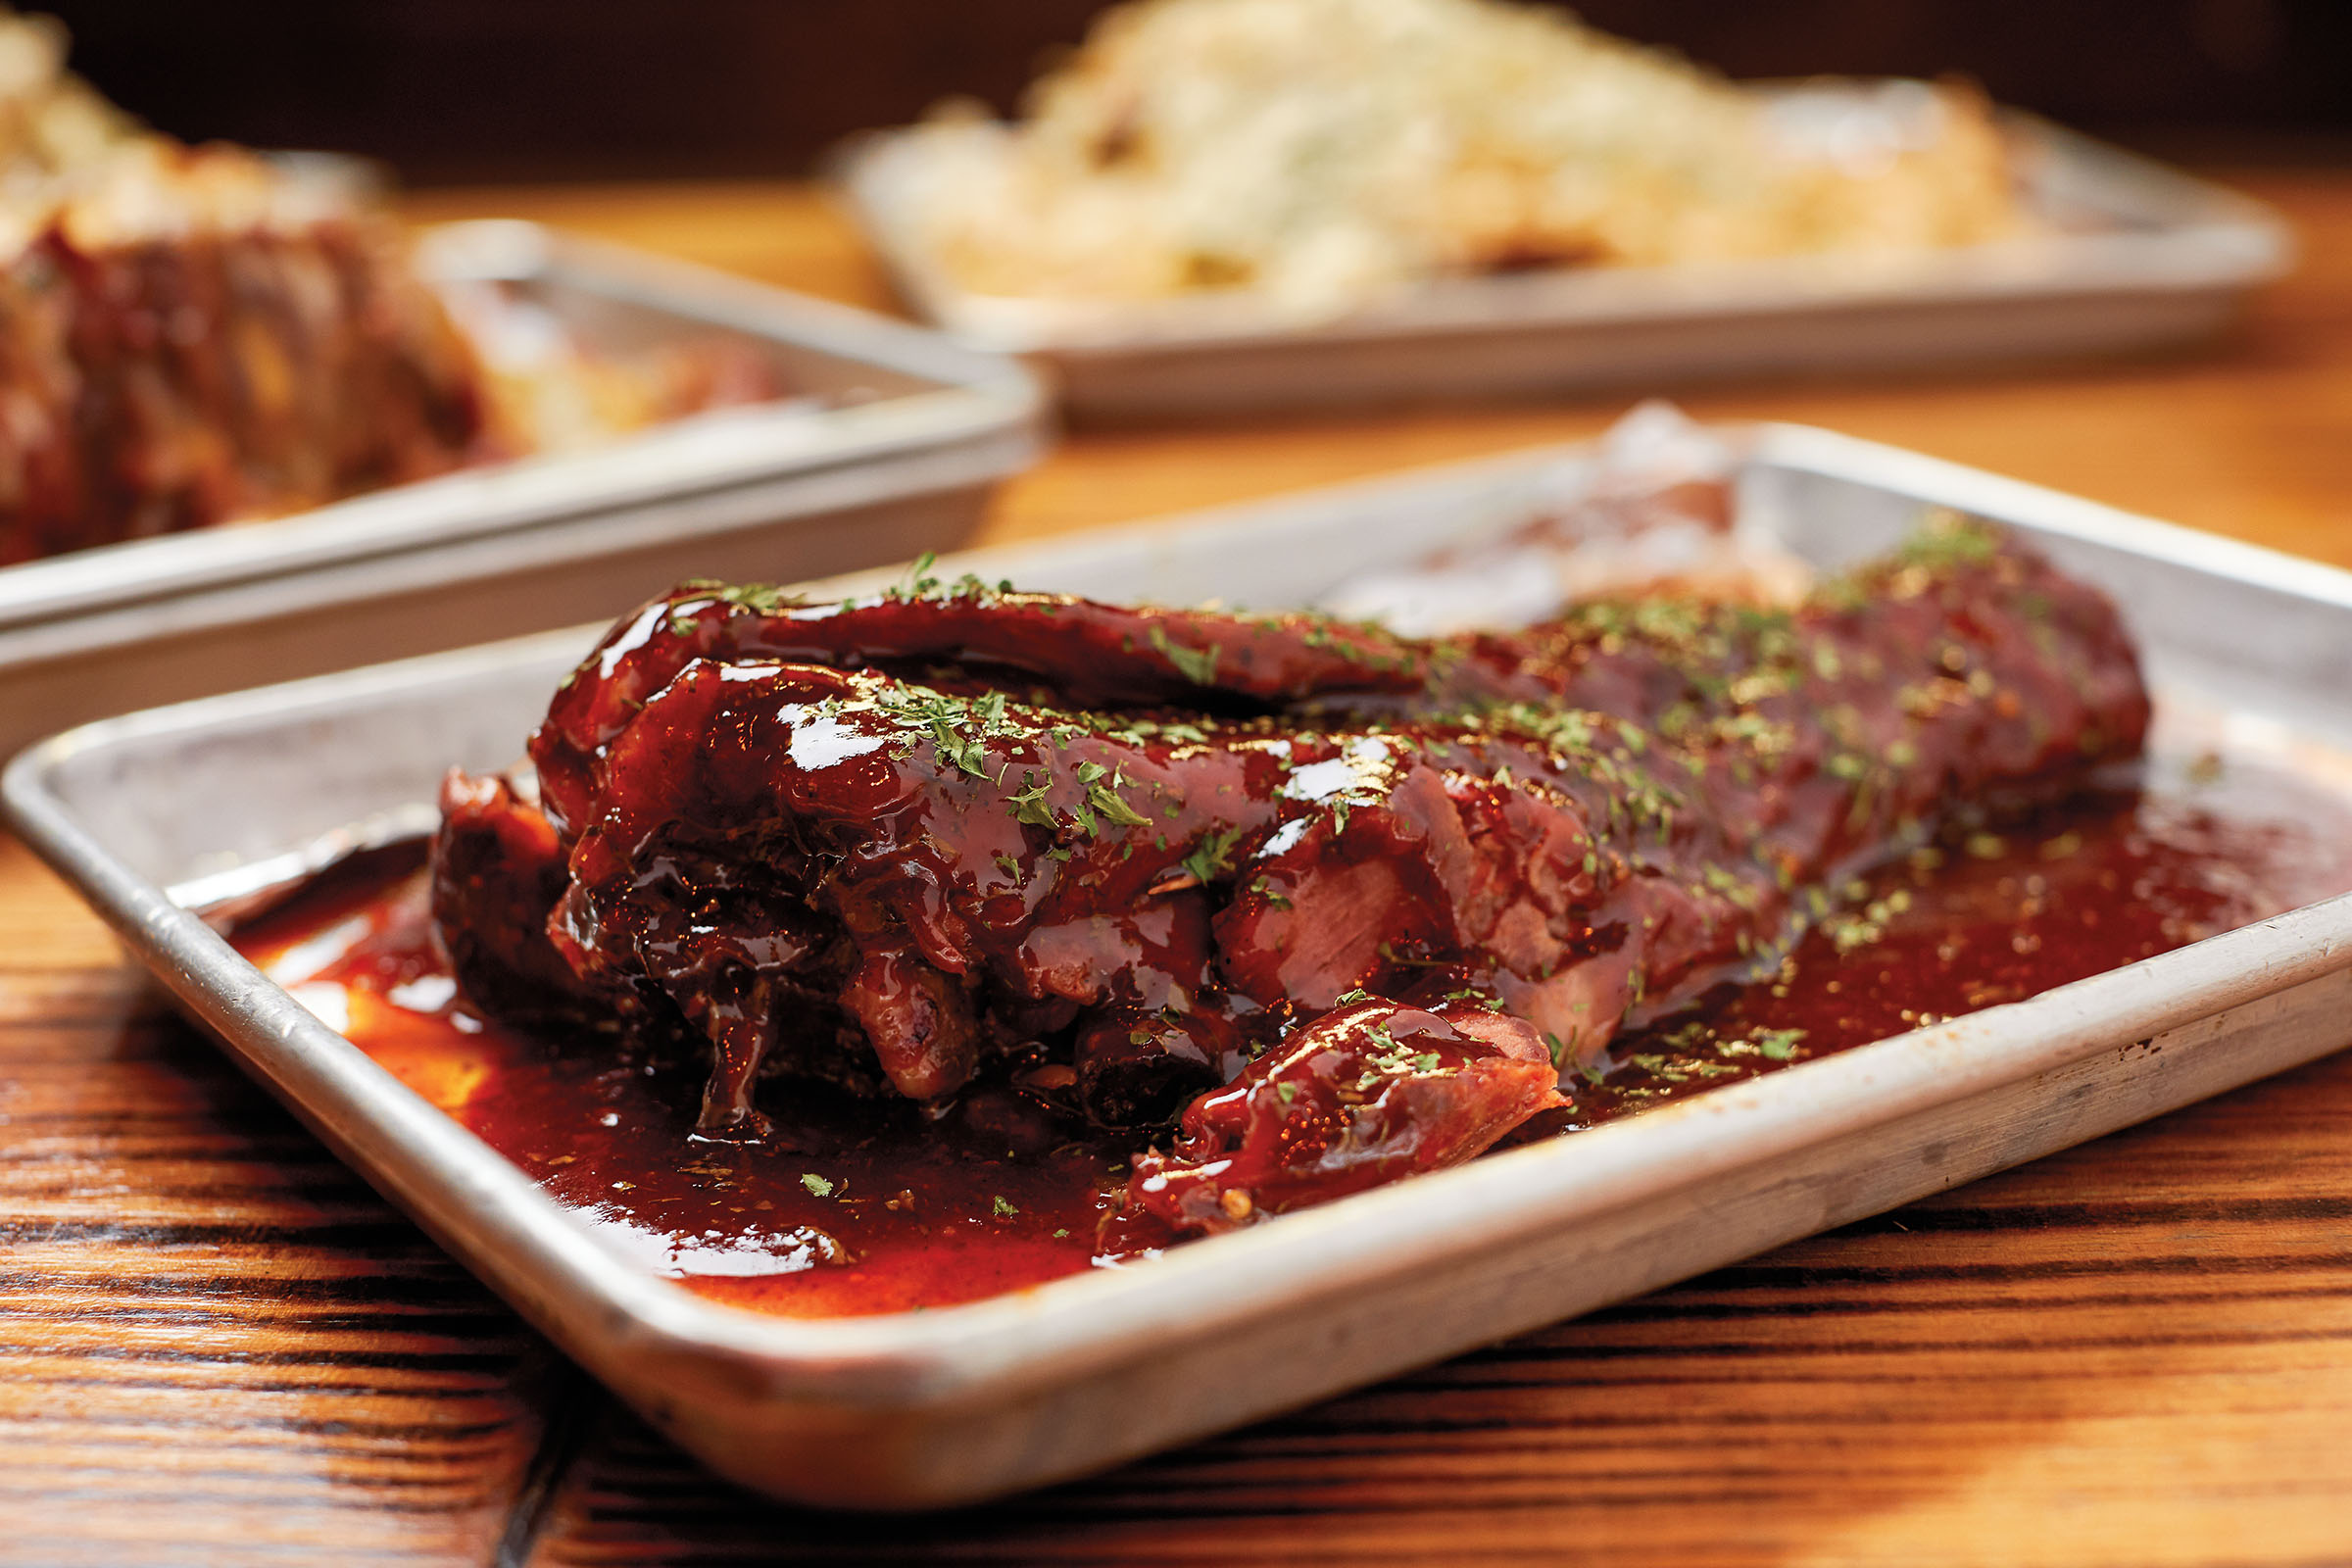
[215, 1345]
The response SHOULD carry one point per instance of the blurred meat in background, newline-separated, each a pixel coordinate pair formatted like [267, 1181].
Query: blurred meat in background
[194, 334]
[452, 91]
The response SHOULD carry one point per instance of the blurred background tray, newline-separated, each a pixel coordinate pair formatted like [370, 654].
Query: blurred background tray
[2140, 255]
[891, 445]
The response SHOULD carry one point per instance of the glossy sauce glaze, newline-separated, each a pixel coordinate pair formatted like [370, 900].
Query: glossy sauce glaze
[857, 1206]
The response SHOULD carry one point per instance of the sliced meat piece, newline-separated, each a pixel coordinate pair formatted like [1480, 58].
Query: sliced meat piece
[1359, 1096]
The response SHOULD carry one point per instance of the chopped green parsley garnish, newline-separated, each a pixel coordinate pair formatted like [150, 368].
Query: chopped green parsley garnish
[1198, 665]
[1212, 856]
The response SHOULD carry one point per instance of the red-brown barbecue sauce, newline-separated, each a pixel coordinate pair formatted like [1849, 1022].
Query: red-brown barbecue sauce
[854, 1208]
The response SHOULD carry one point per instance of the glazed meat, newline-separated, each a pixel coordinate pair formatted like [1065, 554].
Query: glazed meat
[1339, 906]
[189, 334]
[186, 340]
[194, 335]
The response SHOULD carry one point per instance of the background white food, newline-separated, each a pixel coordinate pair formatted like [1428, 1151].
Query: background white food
[1322, 150]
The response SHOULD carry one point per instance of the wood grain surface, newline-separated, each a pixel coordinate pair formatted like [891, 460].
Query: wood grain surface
[216, 1346]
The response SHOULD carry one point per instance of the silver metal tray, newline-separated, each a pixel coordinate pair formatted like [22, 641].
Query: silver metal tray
[893, 452]
[2140, 255]
[2251, 653]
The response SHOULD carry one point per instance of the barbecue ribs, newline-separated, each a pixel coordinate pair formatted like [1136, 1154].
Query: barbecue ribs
[1332, 904]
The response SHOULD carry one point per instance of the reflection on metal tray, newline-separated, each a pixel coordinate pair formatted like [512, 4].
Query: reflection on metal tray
[2137, 255]
[2249, 655]
[891, 452]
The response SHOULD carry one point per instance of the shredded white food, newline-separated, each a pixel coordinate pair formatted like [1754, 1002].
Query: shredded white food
[1326, 150]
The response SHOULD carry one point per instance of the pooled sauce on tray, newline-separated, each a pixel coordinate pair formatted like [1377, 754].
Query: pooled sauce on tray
[854, 1208]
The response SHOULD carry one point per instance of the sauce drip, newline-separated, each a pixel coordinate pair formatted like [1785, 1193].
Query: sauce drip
[852, 1207]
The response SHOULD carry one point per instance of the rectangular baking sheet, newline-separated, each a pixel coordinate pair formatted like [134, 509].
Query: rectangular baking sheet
[2251, 653]
[891, 450]
[2140, 255]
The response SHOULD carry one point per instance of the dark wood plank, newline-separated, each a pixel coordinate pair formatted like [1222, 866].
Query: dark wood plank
[216, 1343]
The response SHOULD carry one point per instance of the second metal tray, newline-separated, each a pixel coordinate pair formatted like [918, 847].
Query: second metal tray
[891, 452]
[2251, 653]
[2137, 255]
